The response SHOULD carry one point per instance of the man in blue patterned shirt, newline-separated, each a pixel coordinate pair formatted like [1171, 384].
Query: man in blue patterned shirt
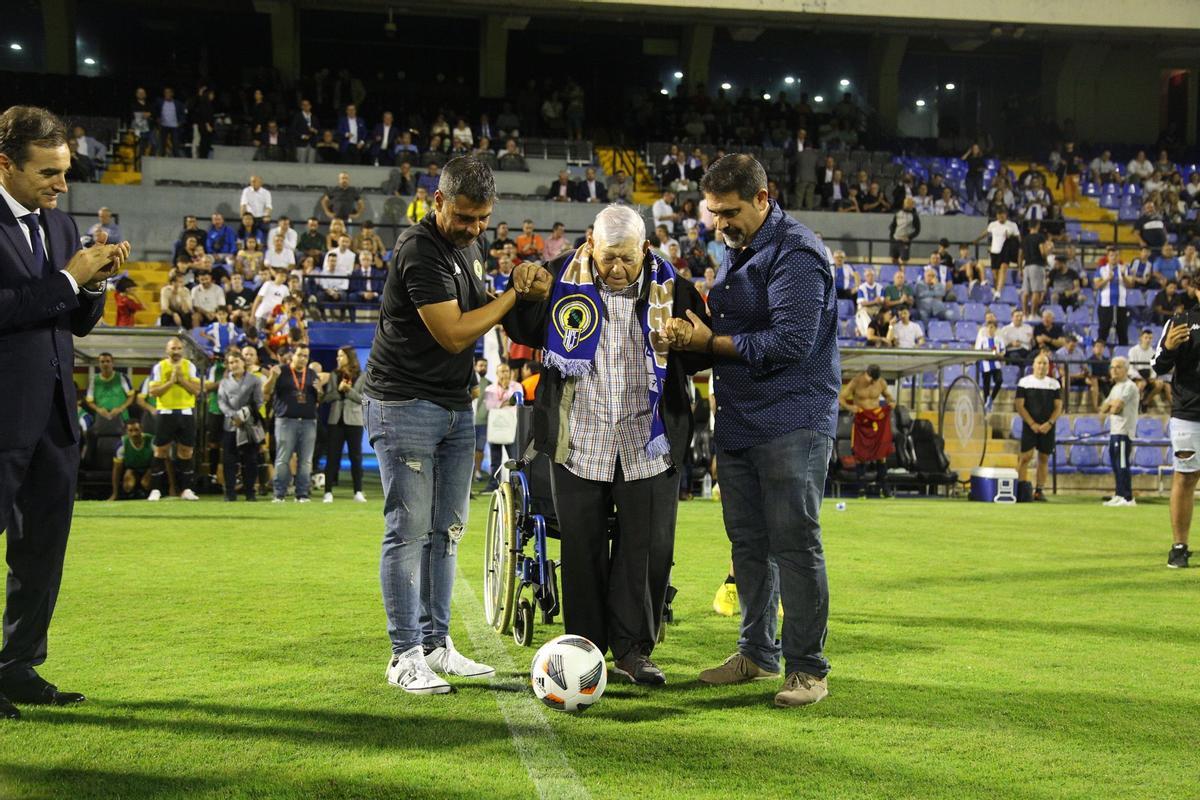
[776, 377]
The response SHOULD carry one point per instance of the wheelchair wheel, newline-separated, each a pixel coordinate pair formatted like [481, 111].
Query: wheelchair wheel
[499, 573]
[523, 624]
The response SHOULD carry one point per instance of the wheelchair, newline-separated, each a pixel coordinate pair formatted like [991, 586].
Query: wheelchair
[521, 516]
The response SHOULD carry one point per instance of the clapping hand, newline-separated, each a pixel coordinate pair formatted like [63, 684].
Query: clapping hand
[532, 281]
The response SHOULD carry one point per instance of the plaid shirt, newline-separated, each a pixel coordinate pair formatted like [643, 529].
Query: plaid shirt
[610, 416]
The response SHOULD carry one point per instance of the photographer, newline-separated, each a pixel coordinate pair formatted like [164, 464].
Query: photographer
[239, 396]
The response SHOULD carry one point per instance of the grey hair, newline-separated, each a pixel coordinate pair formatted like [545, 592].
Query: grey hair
[1121, 359]
[469, 177]
[618, 224]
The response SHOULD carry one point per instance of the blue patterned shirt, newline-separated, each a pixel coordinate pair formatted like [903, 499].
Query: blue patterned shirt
[777, 300]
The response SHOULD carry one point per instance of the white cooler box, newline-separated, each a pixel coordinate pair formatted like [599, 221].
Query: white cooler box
[992, 485]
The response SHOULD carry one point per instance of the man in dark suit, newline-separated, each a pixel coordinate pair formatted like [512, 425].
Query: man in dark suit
[304, 131]
[49, 290]
[383, 141]
[591, 190]
[563, 189]
[352, 133]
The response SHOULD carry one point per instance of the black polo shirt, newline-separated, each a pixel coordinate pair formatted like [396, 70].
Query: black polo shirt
[344, 202]
[1032, 247]
[406, 362]
[286, 400]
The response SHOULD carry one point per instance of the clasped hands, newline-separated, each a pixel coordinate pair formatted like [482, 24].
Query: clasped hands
[682, 334]
[531, 281]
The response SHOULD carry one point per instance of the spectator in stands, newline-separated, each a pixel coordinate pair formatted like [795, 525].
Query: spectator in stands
[1191, 191]
[280, 256]
[899, 294]
[343, 395]
[327, 150]
[1069, 361]
[620, 188]
[141, 118]
[272, 145]
[591, 189]
[1121, 405]
[105, 223]
[947, 205]
[556, 243]
[419, 208]
[251, 229]
[1036, 248]
[383, 141]
[1039, 404]
[693, 251]
[991, 375]
[1098, 374]
[223, 333]
[1064, 284]
[501, 239]
[127, 302]
[904, 332]
[507, 121]
[406, 181]
[1141, 270]
[256, 201]
[1166, 266]
[335, 273]
[1141, 357]
[87, 155]
[879, 329]
[1018, 338]
[367, 239]
[664, 243]
[868, 301]
[249, 259]
[191, 231]
[1036, 202]
[931, 297]
[462, 137]
[922, 200]
[1151, 229]
[834, 191]
[175, 303]
[352, 137]
[483, 147]
[1002, 235]
[429, 181]
[976, 165]
[290, 238]
[343, 201]
[131, 463]
[109, 394]
[366, 285]
[1104, 170]
[1167, 303]
[504, 392]
[222, 240]
[849, 203]
[663, 211]
[873, 201]
[530, 245]
[207, 297]
[1111, 284]
[511, 158]
[904, 227]
[240, 399]
[171, 115]
[304, 130]
[405, 151]
[845, 277]
[562, 190]
[270, 294]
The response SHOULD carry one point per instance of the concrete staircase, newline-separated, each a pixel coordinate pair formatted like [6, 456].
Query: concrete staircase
[611, 159]
[149, 277]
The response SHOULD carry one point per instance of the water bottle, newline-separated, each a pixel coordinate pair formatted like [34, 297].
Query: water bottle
[706, 487]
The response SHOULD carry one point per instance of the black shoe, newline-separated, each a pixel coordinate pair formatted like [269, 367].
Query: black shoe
[251, 498]
[229, 499]
[7, 709]
[639, 669]
[1038, 496]
[1178, 557]
[37, 691]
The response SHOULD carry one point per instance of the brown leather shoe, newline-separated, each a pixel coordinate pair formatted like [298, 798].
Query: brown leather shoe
[736, 669]
[802, 689]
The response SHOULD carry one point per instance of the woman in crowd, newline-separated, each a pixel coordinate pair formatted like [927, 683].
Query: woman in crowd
[344, 396]
[249, 260]
[504, 392]
[240, 398]
[337, 229]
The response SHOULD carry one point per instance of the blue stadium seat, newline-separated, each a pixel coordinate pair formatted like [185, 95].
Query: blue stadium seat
[974, 312]
[1009, 294]
[846, 328]
[1063, 459]
[1120, 350]
[940, 332]
[1148, 458]
[886, 273]
[845, 309]
[1003, 312]
[914, 275]
[960, 292]
[1062, 427]
[1150, 428]
[1135, 297]
[980, 294]
[1079, 316]
[1088, 425]
[1088, 459]
[1012, 374]
[965, 333]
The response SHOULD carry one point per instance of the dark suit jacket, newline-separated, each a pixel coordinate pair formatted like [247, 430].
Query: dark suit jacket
[552, 192]
[343, 128]
[581, 192]
[38, 315]
[385, 147]
[673, 172]
[297, 130]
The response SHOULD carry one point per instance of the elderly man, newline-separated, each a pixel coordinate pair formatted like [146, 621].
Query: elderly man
[562, 190]
[777, 375]
[1122, 407]
[256, 200]
[106, 223]
[931, 298]
[613, 413]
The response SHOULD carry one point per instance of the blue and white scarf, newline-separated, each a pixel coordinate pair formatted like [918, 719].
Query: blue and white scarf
[577, 317]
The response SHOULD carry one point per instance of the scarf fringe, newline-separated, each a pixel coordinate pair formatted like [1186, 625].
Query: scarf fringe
[658, 446]
[570, 367]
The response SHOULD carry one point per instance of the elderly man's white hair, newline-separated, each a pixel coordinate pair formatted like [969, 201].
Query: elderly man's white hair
[619, 224]
[1120, 360]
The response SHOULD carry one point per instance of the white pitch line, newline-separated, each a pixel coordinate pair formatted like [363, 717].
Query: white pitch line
[534, 739]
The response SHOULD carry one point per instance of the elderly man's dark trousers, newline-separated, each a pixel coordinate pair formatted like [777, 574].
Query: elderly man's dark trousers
[615, 597]
[37, 494]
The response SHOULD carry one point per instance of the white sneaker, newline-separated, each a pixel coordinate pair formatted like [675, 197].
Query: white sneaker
[276, 499]
[449, 661]
[411, 673]
[1116, 501]
[359, 497]
[328, 497]
[1131, 503]
[301, 499]
[188, 494]
[155, 496]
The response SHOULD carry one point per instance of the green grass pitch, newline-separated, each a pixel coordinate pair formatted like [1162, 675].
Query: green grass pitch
[234, 651]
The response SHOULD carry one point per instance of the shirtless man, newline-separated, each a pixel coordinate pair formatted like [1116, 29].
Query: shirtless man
[872, 435]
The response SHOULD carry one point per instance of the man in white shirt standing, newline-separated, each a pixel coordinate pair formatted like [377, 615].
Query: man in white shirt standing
[905, 332]
[1122, 408]
[256, 201]
[664, 211]
[1003, 235]
[1111, 284]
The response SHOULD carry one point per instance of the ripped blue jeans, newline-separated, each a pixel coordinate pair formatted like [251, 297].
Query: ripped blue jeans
[426, 455]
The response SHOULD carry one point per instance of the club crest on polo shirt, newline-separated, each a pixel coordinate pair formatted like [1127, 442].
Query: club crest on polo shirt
[576, 319]
[478, 269]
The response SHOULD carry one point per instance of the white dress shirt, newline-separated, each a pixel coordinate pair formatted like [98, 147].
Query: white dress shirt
[258, 203]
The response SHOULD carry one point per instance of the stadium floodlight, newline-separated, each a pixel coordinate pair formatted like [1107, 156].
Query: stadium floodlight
[91, 62]
[678, 75]
[950, 87]
[844, 82]
[819, 99]
[766, 95]
[789, 80]
[15, 46]
[663, 91]
[727, 86]
[920, 104]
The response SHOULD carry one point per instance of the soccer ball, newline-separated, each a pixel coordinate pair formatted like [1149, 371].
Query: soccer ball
[569, 673]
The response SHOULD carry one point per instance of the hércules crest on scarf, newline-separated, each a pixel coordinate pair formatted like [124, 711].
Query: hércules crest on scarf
[577, 318]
